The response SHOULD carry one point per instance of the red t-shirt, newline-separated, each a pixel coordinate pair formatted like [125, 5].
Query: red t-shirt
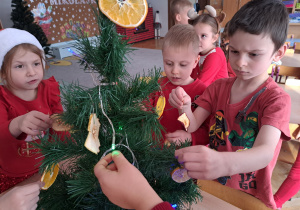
[213, 66]
[15, 158]
[169, 117]
[272, 107]
[230, 71]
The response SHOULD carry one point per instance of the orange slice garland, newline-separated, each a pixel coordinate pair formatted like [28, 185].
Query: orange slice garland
[125, 13]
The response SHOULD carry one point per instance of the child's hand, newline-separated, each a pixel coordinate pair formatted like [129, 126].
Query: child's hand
[21, 197]
[201, 162]
[178, 136]
[31, 123]
[115, 180]
[179, 99]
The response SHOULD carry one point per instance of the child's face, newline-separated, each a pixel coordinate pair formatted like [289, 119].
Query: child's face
[206, 36]
[251, 55]
[26, 72]
[182, 17]
[179, 64]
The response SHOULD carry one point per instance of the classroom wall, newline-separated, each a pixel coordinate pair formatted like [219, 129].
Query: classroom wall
[158, 5]
[5, 11]
[162, 7]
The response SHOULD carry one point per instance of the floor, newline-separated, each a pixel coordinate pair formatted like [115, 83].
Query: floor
[155, 44]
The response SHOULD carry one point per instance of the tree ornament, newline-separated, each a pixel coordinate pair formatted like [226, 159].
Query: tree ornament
[49, 176]
[92, 141]
[160, 106]
[184, 120]
[180, 175]
[125, 13]
[58, 124]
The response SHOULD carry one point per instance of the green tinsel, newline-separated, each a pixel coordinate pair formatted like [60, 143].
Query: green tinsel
[77, 187]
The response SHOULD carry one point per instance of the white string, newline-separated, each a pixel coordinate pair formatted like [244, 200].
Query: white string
[97, 83]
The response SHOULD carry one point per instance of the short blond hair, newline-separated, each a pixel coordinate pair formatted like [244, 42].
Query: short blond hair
[180, 36]
[177, 5]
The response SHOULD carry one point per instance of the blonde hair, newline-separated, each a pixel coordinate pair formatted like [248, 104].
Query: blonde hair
[5, 73]
[181, 35]
[177, 5]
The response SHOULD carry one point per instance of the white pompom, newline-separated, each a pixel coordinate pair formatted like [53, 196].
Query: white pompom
[192, 14]
[211, 10]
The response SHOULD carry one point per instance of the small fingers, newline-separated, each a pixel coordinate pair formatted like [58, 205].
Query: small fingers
[101, 166]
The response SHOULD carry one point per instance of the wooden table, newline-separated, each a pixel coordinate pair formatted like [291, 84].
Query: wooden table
[218, 196]
[294, 92]
[210, 202]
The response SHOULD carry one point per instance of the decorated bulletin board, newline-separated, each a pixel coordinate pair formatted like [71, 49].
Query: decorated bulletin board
[60, 19]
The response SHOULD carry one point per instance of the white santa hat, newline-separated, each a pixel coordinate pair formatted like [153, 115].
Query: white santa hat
[11, 37]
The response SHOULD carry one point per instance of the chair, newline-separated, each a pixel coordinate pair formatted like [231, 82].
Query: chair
[271, 70]
[286, 71]
[290, 36]
[288, 44]
[296, 45]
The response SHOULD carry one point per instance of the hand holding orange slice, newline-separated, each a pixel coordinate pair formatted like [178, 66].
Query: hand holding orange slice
[49, 176]
[125, 13]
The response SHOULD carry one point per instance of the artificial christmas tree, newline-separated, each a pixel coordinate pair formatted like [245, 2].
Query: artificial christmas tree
[116, 100]
[23, 19]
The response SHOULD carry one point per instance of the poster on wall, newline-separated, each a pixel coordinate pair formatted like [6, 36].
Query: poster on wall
[62, 19]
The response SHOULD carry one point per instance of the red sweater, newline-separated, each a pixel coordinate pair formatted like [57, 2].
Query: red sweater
[169, 117]
[163, 206]
[213, 66]
[15, 158]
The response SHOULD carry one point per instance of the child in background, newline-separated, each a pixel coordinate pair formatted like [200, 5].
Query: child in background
[179, 10]
[180, 51]
[291, 184]
[212, 65]
[251, 111]
[26, 103]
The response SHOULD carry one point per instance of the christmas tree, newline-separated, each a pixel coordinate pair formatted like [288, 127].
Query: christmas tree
[23, 19]
[116, 100]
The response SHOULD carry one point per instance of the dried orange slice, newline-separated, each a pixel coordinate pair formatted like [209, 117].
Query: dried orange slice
[160, 106]
[180, 175]
[58, 124]
[92, 141]
[125, 13]
[184, 120]
[49, 176]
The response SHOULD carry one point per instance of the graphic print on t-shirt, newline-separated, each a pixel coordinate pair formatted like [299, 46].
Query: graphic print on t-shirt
[249, 129]
[218, 131]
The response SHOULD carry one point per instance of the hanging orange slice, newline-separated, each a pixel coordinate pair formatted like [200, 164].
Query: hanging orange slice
[49, 176]
[125, 13]
[184, 120]
[160, 106]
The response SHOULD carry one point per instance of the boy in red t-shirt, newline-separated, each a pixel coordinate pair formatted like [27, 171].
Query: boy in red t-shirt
[180, 51]
[251, 111]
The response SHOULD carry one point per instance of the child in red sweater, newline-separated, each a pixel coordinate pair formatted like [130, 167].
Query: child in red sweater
[180, 55]
[291, 184]
[26, 102]
[212, 65]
